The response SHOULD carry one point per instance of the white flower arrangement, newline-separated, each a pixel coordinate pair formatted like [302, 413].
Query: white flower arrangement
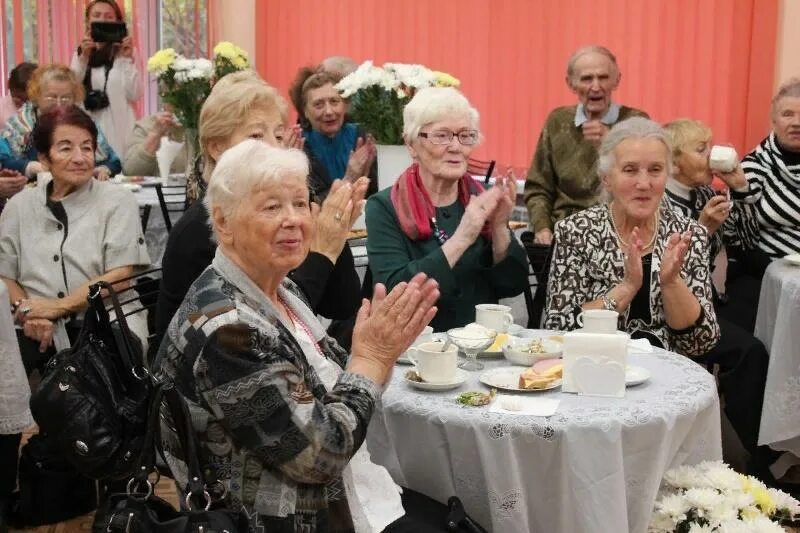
[378, 95]
[710, 497]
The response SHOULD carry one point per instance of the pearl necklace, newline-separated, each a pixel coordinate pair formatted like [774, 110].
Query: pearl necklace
[621, 243]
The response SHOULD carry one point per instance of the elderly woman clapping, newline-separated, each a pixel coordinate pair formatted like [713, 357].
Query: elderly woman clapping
[436, 219]
[280, 408]
[633, 255]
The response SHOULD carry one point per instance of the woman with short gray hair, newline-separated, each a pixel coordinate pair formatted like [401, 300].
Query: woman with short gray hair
[633, 255]
[280, 410]
[437, 219]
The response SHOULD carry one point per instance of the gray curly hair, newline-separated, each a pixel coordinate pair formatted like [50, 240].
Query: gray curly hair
[632, 128]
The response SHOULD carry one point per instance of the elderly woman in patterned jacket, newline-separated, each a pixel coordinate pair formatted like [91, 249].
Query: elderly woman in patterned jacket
[634, 255]
[280, 409]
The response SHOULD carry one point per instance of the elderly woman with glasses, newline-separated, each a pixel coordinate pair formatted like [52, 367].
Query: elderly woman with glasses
[635, 255]
[438, 220]
[51, 86]
[280, 410]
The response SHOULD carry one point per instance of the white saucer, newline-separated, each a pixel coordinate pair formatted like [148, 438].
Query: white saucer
[461, 377]
[793, 259]
[635, 375]
[507, 378]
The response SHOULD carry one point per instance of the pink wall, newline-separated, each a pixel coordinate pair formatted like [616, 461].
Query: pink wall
[707, 60]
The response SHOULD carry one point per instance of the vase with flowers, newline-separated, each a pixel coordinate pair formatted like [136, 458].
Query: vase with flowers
[185, 84]
[377, 96]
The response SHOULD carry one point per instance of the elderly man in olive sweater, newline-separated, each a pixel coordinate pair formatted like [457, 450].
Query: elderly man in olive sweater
[562, 178]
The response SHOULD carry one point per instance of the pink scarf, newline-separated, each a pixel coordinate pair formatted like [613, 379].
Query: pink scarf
[414, 207]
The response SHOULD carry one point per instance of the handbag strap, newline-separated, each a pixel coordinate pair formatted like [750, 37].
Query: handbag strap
[131, 359]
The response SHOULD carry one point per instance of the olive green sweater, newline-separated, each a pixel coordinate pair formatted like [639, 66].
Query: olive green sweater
[393, 258]
[562, 179]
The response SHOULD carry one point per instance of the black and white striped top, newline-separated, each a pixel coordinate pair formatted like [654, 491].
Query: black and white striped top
[776, 185]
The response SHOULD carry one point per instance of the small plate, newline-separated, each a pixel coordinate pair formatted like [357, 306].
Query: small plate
[461, 377]
[507, 378]
[635, 375]
[513, 352]
[793, 259]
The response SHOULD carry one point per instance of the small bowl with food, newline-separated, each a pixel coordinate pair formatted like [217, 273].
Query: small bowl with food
[525, 352]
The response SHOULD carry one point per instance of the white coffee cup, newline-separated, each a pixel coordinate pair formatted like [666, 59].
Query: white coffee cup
[598, 321]
[425, 336]
[433, 365]
[494, 316]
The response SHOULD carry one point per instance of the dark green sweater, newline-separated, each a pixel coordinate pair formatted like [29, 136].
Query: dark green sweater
[393, 258]
[562, 179]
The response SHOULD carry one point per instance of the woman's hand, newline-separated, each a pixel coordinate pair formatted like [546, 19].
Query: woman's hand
[87, 47]
[102, 173]
[734, 179]
[125, 47]
[39, 329]
[543, 236]
[673, 258]
[388, 325]
[714, 213]
[506, 199]
[632, 263]
[333, 221]
[361, 158]
[478, 211]
[164, 123]
[11, 182]
[33, 308]
[293, 138]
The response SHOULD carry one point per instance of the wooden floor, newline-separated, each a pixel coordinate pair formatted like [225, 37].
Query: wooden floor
[165, 489]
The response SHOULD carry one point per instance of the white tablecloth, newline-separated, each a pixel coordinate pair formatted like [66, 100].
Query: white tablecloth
[778, 327]
[595, 466]
[155, 234]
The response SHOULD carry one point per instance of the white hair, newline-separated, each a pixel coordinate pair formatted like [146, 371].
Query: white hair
[789, 89]
[580, 52]
[247, 167]
[434, 104]
[632, 128]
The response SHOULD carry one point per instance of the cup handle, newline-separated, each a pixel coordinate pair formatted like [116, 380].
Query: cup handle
[579, 319]
[410, 355]
[508, 319]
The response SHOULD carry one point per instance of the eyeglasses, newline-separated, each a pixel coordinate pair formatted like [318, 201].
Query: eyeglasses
[59, 100]
[465, 137]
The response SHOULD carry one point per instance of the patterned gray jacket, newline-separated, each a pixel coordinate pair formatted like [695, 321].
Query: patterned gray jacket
[270, 432]
[587, 263]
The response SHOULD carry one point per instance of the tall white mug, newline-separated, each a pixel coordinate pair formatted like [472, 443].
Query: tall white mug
[434, 365]
[598, 321]
[494, 316]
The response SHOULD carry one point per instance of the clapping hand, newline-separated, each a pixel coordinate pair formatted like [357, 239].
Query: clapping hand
[361, 158]
[673, 257]
[632, 262]
[293, 138]
[506, 190]
[332, 221]
[11, 182]
[479, 209]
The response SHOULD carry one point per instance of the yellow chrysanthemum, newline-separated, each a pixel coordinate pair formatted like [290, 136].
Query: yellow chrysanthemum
[750, 513]
[230, 51]
[443, 79]
[239, 62]
[161, 60]
[763, 500]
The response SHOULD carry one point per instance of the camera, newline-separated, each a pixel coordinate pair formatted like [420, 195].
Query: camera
[108, 32]
[96, 100]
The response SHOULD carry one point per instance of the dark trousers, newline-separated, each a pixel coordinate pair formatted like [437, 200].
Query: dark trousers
[425, 515]
[743, 287]
[743, 361]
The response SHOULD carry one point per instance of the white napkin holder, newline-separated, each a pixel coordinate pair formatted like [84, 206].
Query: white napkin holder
[594, 363]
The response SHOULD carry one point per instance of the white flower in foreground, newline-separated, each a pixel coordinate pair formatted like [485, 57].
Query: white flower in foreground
[205, 66]
[675, 506]
[662, 523]
[704, 499]
[759, 524]
[723, 478]
[182, 64]
[682, 477]
[784, 502]
[697, 528]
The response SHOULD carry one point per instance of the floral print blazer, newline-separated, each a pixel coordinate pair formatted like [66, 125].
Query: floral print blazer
[587, 263]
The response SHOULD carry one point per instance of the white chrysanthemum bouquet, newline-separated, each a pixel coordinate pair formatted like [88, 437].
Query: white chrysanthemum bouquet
[185, 83]
[710, 497]
[378, 95]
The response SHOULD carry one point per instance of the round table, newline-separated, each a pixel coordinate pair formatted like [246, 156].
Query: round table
[595, 465]
[777, 327]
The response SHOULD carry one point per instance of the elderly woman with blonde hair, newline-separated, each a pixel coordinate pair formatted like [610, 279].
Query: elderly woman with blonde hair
[634, 255]
[242, 106]
[438, 220]
[280, 410]
[50, 86]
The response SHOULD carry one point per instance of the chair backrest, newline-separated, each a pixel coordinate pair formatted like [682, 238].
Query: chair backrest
[144, 214]
[138, 294]
[172, 199]
[477, 167]
[539, 257]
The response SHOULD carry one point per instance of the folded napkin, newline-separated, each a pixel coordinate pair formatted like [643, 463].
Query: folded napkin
[528, 405]
[639, 346]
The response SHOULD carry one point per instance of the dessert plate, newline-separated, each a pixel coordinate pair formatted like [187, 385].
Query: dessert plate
[507, 378]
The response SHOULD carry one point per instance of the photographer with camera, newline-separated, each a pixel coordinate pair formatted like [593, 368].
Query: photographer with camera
[104, 61]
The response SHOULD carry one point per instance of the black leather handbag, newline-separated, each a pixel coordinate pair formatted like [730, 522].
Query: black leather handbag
[94, 398]
[141, 511]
